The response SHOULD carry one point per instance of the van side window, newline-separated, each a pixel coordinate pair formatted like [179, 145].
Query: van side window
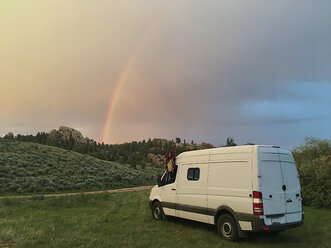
[193, 174]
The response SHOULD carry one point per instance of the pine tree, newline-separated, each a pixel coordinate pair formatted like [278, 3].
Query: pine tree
[230, 142]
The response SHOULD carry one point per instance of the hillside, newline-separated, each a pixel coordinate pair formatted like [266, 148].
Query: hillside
[145, 153]
[34, 168]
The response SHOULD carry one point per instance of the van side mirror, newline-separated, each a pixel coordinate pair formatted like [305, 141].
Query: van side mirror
[159, 181]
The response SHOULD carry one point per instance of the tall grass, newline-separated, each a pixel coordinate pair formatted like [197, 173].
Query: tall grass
[124, 220]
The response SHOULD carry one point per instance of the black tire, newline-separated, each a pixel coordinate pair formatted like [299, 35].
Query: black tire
[227, 227]
[157, 211]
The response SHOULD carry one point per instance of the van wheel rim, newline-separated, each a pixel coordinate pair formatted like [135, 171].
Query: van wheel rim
[157, 213]
[226, 229]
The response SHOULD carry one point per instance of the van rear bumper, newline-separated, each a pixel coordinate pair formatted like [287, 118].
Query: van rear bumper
[276, 227]
[284, 226]
[258, 226]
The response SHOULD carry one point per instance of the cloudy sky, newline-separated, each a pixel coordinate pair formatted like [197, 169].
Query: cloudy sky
[259, 71]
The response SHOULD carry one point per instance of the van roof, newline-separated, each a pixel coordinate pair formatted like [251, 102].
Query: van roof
[233, 149]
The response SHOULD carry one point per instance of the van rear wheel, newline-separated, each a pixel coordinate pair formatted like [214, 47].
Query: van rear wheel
[157, 211]
[227, 227]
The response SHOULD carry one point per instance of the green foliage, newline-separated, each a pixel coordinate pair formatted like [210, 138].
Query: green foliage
[230, 142]
[178, 140]
[313, 160]
[27, 168]
[125, 220]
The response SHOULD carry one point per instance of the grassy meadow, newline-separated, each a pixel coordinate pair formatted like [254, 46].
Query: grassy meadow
[124, 220]
[28, 168]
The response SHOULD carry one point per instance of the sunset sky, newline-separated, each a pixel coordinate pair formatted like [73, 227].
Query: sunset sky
[123, 70]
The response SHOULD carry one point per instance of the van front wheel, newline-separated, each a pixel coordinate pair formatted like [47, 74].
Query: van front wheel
[157, 211]
[227, 227]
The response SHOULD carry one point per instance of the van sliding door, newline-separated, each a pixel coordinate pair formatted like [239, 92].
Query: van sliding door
[192, 192]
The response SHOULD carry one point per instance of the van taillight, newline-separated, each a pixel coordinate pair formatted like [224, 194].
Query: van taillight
[257, 203]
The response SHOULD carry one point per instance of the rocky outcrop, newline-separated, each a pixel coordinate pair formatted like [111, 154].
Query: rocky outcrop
[9, 136]
[67, 135]
[156, 160]
[205, 145]
[159, 142]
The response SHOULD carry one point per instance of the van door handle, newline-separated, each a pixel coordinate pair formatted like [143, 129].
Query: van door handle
[173, 189]
[289, 200]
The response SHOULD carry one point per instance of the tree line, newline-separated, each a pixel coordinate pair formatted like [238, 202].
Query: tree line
[133, 153]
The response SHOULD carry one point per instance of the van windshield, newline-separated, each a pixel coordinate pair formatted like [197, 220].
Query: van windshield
[169, 177]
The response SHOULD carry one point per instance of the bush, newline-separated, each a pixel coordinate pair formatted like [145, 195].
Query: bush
[118, 177]
[313, 160]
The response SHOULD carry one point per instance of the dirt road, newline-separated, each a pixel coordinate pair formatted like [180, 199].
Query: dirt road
[86, 193]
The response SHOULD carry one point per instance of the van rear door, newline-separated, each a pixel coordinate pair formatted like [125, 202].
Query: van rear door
[280, 186]
[271, 183]
[293, 200]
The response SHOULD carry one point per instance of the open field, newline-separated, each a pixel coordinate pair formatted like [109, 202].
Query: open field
[79, 193]
[124, 220]
[29, 168]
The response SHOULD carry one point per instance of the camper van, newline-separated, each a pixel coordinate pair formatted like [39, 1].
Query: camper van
[239, 189]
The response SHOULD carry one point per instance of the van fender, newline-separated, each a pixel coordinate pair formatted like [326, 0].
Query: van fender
[225, 209]
[151, 201]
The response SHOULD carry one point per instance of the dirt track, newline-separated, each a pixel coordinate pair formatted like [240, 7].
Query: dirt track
[87, 193]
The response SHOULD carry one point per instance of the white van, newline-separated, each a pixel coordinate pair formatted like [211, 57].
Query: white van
[239, 189]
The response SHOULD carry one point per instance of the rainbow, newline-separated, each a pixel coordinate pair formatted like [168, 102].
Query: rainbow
[124, 75]
[116, 93]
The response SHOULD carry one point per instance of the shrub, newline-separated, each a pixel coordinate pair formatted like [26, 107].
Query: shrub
[118, 177]
[313, 160]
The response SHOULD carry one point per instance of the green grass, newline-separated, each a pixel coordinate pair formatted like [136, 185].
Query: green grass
[28, 168]
[124, 220]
